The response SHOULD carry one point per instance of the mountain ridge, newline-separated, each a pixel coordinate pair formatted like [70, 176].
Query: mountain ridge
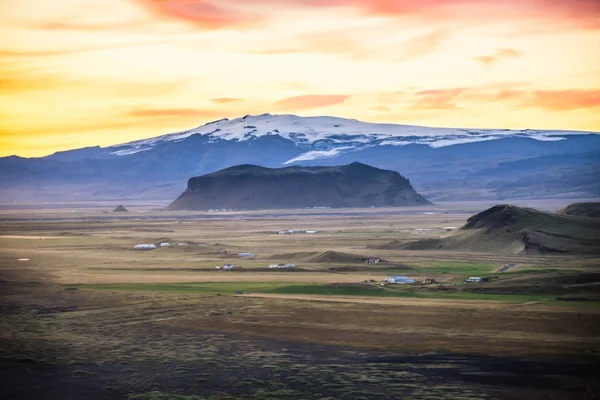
[492, 164]
[341, 134]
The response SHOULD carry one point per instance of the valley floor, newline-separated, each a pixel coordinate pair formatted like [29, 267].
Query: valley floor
[83, 315]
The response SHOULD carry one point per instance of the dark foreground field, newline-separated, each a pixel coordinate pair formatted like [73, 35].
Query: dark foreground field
[85, 316]
[74, 344]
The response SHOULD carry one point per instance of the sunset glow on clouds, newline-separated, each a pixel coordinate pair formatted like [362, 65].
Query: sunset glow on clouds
[79, 73]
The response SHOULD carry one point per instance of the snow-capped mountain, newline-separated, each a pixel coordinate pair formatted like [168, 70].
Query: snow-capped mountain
[441, 163]
[326, 137]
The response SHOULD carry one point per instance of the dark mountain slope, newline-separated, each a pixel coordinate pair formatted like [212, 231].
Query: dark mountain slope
[510, 229]
[591, 210]
[252, 187]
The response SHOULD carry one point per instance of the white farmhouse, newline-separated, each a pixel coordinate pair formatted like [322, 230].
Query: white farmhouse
[475, 279]
[144, 246]
[282, 265]
[400, 279]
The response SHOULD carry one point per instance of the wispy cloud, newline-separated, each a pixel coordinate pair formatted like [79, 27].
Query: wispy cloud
[436, 99]
[499, 55]
[22, 53]
[52, 25]
[310, 101]
[174, 112]
[20, 78]
[226, 100]
[421, 45]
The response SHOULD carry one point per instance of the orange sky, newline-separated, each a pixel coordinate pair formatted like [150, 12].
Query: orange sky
[78, 73]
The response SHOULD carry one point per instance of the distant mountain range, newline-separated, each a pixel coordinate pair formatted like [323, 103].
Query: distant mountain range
[251, 187]
[441, 163]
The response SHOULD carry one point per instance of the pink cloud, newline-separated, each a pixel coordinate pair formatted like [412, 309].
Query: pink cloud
[551, 100]
[436, 99]
[564, 100]
[577, 13]
[226, 14]
[205, 14]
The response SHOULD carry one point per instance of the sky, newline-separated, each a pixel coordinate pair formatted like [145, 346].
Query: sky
[77, 73]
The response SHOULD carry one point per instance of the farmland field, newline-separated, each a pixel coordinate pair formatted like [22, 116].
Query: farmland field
[85, 315]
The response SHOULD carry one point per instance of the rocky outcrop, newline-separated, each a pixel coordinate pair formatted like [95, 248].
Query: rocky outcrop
[250, 187]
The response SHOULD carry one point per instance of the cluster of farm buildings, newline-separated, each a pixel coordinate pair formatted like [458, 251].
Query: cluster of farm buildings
[272, 266]
[295, 231]
[396, 279]
[150, 246]
[406, 280]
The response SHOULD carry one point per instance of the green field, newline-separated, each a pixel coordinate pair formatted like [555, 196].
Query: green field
[200, 288]
[228, 288]
[457, 268]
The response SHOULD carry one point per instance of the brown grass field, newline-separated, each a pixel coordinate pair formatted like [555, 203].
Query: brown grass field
[85, 316]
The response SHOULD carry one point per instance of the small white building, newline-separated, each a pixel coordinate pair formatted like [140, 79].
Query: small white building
[228, 266]
[475, 279]
[144, 246]
[182, 244]
[282, 265]
[165, 244]
[290, 231]
[373, 260]
[400, 279]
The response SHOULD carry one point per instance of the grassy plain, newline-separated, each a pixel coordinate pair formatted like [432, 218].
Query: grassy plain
[84, 315]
